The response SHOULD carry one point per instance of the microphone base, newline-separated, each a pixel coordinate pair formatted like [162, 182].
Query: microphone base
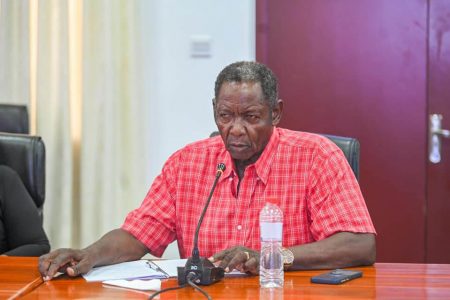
[205, 270]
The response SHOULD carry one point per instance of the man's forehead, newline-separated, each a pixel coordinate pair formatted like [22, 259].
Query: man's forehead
[247, 106]
[243, 83]
[240, 89]
[242, 108]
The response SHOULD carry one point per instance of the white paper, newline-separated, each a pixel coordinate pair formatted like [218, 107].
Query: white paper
[170, 265]
[127, 270]
[137, 284]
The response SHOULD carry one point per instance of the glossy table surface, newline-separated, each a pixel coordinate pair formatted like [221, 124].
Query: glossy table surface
[18, 275]
[381, 281]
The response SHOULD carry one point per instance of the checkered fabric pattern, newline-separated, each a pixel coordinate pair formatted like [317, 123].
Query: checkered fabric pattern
[307, 173]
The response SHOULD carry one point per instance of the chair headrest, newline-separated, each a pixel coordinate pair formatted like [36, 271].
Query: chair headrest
[14, 118]
[26, 155]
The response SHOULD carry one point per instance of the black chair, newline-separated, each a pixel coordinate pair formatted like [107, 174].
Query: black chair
[26, 155]
[348, 145]
[14, 118]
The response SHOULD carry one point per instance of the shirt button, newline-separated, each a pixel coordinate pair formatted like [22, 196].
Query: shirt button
[239, 227]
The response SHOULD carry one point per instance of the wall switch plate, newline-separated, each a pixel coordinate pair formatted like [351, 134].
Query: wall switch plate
[200, 46]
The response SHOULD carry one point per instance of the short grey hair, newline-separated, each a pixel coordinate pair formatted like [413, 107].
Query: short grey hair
[249, 71]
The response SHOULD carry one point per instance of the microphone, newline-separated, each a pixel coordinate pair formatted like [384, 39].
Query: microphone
[199, 269]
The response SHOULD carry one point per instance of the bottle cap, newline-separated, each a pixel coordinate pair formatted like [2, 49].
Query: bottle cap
[273, 200]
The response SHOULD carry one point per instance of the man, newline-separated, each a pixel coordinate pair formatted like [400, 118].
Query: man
[326, 223]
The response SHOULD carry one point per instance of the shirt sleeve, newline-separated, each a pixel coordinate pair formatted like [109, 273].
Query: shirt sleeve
[153, 223]
[335, 200]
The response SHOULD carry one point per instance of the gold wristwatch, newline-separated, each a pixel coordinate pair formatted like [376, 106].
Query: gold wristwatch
[288, 258]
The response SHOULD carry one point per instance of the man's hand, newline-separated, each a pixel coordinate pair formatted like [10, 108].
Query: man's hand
[240, 258]
[114, 247]
[70, 261]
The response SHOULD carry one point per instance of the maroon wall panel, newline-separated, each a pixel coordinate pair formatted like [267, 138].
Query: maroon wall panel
[358, 68]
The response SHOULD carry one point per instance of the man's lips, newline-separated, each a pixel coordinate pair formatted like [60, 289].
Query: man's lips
[237, 145]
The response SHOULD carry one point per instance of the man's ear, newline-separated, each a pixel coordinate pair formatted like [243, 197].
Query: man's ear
[214, 108]
[277, 111]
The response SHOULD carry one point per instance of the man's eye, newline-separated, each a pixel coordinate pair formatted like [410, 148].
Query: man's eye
[252, 117]
[224, 117]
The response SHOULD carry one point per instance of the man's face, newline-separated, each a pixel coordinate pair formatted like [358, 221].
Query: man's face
[245, 121]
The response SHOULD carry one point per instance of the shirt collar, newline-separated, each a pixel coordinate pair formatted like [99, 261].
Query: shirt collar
[262, 165]
[228, 161]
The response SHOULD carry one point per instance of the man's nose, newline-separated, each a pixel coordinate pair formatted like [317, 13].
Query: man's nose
[237, 127]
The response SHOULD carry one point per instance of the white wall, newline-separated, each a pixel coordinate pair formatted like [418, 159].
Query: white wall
[181, 87]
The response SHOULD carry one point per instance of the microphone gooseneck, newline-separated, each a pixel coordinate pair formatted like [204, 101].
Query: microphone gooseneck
[195, 252]
[197, 269]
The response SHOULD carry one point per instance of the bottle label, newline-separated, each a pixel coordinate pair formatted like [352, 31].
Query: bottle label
[271, 231]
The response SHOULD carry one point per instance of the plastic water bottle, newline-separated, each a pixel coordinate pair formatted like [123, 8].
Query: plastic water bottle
[271, 273]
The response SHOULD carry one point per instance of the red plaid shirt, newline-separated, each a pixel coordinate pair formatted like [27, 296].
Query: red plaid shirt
[309, 174]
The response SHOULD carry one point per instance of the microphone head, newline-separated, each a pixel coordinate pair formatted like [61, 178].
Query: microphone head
[221, 167]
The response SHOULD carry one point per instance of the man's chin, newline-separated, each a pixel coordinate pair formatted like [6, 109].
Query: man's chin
[239, 156]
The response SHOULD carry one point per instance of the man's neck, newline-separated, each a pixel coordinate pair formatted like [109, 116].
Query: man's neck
[242, 164]
[240, 169]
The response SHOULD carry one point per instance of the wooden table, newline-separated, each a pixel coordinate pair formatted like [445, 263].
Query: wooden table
[382, 281]
[18, 275]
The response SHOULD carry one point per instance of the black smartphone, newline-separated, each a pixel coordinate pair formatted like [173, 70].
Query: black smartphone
[337, 276]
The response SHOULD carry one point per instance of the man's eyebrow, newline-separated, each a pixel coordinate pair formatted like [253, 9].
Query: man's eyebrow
[223, 108]
[252, 107]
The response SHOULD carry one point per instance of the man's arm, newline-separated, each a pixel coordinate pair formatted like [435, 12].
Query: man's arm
[114, 247]
[343, 249]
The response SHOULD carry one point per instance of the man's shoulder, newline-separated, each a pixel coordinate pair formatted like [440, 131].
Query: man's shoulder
[201, 148]
[212, 143]
[196, 154]
[305, 140]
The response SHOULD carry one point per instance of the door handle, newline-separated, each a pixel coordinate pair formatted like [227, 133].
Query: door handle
[435, 134]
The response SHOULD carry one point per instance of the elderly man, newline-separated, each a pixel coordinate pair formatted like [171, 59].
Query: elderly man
[326, 222]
